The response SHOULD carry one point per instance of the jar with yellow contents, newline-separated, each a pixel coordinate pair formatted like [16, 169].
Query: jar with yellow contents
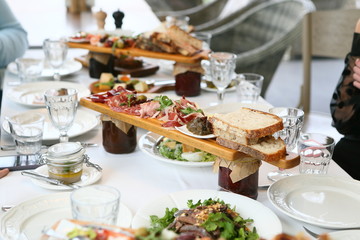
[65, 161]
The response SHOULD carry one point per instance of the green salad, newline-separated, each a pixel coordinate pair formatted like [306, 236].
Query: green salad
[210, 219]
[174, 150]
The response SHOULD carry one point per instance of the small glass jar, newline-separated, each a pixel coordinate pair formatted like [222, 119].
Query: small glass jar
[65, 161]
[188, 84]
[118, 137]
[247, 186]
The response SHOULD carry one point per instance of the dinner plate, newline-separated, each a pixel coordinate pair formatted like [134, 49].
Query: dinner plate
[32, 94]
[345, 234]
[84, 122]
[321, 200]
[266, 222]
[32, 216]
[69, 67]
[147, 145]
[231, 107]
[89, 176]
[184, 130]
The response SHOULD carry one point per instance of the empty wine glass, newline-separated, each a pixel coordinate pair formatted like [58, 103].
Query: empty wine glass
[62, 104]
[293, 120]
[55, 54]
[222, 67]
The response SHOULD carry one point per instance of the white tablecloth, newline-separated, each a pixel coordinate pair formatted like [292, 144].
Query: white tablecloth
[139, 178]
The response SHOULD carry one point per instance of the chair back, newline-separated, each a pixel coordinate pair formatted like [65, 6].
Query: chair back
[261, 35]
[325, 34]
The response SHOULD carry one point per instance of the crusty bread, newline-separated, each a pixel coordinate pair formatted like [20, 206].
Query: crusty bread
[248, 125]
[267, 149]
[187, 44]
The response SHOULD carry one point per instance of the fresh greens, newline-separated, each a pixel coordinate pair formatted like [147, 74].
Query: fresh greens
[206, 202]
[174, 150]
[190, 110]
[164, 102]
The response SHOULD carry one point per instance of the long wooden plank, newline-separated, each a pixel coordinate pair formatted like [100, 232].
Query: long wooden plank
[207, 145]
[140, 53]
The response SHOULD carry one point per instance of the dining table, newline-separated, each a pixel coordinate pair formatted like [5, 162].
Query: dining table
[139, 177]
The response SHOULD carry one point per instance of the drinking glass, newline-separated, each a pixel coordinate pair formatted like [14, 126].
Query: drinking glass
[62, 104]
[222, 67]
[293, 120]
[55, 54]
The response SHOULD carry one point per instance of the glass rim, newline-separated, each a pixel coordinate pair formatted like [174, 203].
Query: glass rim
[40, 118]
[48, 91]
[315, 134]
[302, 113]
[231, 56]
[113, 190]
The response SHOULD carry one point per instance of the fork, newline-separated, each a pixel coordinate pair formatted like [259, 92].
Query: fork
[13, 147]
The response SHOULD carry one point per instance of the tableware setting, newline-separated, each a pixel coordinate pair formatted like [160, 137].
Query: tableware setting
[34, 215]
[249, 87]
[84, 121]
[69, 67]
[29, 69]
[320, 200]
[32, 94]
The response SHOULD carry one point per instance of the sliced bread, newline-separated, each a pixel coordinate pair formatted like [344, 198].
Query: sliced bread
[248, 125]
[268, 149]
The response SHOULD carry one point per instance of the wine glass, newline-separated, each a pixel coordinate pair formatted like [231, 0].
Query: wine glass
[62, 104]
[222, 67]
[293, 120]
[55, 54]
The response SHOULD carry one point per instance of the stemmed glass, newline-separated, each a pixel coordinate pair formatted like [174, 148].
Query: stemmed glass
[55, 54]
[293, 120]
[222, 67]
[62, 105]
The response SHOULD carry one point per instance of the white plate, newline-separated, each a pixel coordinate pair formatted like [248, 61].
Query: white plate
[184, 130]
[324, 201]
[32, 94]
[346, 234]
[89, 176]
[231, 107]
[84, 122]
[266, 222]
[34, 215]
[147, 144]
[69, 67]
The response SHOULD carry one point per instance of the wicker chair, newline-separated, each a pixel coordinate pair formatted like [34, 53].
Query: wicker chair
[172, 5]
[261, 35]
[199, 14]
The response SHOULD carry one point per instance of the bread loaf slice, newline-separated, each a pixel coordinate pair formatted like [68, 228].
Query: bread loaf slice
[267, 149]
[246, 125]
[187, 44]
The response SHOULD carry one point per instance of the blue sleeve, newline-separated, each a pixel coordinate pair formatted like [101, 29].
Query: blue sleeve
[13, 38]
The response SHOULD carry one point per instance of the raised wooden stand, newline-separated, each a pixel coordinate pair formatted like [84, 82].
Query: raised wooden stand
[207, 145]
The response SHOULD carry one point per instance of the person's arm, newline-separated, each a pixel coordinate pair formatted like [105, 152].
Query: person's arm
[13, 38]
[345, 103]
[4, 172]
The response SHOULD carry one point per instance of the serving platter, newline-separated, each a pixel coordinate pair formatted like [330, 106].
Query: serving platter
[141, 53]
[266, 222]
[207, 145]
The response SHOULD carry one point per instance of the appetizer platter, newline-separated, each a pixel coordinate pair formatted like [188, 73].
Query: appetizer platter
[168, 43]
[127, 106]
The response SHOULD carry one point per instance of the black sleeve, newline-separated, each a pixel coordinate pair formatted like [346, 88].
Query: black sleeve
[345, 103]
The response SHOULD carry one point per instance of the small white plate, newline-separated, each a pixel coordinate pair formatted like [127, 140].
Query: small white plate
[84, 122]
[184, 130]
[147, 144]
[89, 176]
[32, 216]
[320, 200]
[32, 94]
[69, 67]
[204, 87]
[266, 222]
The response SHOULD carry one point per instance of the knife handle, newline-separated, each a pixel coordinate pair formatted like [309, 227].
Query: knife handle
[40, 177]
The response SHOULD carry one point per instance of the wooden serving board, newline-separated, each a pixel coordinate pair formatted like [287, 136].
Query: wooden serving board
[207, 145]
[137, 52]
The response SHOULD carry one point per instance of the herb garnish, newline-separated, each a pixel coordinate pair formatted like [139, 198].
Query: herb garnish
[164, 102]
[190, 110]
